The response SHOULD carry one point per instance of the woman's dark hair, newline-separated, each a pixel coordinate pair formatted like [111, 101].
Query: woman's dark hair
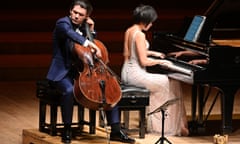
[144, 14]
[84, 4]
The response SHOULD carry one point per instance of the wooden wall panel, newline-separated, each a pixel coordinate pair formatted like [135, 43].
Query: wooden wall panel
[26, 28]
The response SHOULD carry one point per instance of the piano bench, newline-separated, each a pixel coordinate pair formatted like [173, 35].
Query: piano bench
[134, 99]
[50, 97]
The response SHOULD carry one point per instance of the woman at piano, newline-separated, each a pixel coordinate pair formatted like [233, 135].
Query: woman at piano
[136, 58]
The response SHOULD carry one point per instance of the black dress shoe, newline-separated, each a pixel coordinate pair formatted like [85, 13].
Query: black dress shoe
[67, 135]
[122, 137]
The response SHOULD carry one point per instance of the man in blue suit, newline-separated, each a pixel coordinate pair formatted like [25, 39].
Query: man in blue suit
[68, 30]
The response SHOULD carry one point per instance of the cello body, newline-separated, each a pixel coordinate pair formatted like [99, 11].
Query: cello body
[96, 87]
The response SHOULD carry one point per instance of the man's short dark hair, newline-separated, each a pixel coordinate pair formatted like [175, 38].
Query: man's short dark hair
[84, 4]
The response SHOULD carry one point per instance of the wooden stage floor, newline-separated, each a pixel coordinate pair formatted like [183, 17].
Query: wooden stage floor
[34, 136]
[19, 121]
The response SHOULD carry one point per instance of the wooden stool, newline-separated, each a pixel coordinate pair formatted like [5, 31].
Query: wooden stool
[133, 99]
[48, 95]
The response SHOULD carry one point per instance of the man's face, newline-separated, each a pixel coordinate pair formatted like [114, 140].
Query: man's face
[78, 14]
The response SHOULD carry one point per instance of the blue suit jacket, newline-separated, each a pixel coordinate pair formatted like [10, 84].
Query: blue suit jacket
[64, 35]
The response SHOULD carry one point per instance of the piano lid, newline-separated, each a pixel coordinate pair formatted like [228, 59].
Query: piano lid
[222, 21]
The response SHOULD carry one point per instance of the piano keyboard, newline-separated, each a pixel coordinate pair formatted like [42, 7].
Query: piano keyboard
[182, 77]
[180, 69]
[182, 66]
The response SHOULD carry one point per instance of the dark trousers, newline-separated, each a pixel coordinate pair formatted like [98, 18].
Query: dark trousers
[66, 87]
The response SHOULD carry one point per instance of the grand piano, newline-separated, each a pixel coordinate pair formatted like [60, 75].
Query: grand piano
[223, 67]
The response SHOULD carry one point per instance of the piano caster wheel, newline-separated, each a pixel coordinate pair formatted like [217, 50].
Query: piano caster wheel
[227, 130]
[201, 130]
[196, 129]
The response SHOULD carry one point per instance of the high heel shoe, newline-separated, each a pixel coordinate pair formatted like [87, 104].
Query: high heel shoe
[184, 131]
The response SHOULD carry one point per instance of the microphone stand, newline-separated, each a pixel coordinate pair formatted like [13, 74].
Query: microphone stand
[163, 108]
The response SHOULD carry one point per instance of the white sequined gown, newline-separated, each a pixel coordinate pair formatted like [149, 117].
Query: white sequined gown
[161, 88]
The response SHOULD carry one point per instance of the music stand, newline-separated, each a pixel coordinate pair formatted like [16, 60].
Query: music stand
[163, 108]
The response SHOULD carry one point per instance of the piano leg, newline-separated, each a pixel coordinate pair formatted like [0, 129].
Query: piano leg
[196, 124]
[227, 101]
[201, 94]
[194, 102]
[193, 124]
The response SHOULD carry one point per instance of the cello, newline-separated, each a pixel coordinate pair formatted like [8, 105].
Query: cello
[97, 86]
